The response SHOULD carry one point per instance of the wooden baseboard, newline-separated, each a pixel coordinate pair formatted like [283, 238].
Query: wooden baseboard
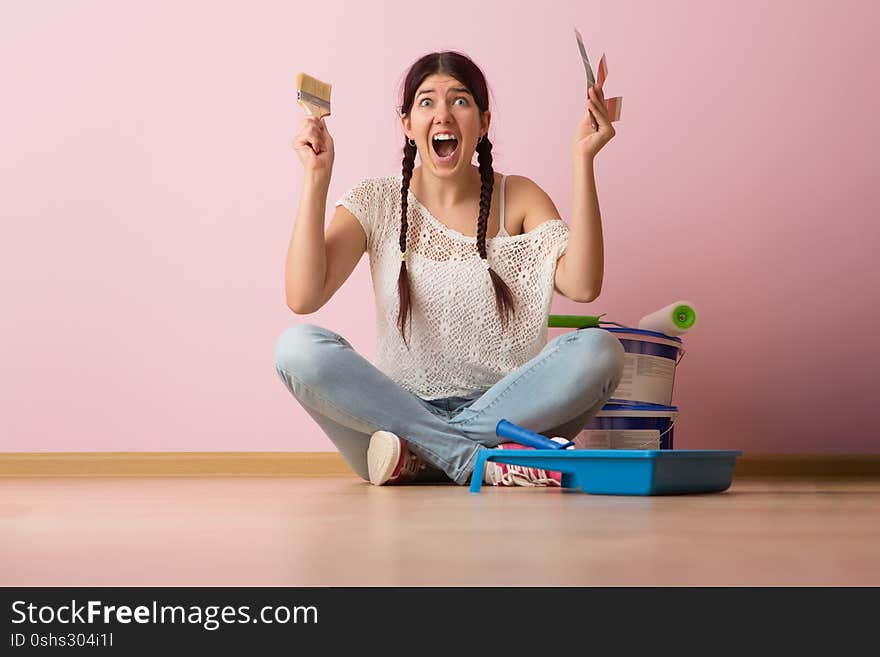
[173, 464]
[331, 464]
[809, 466]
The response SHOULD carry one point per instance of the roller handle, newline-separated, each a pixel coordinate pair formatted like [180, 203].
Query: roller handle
[573, 321]
[578, 321]
[522, 436]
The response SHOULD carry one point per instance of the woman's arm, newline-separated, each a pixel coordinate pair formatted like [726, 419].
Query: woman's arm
[579, 272]
[585, 233]
[306, 263]
[318, 264]
[343, 245]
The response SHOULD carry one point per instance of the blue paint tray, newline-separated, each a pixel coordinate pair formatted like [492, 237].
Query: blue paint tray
[623, 471]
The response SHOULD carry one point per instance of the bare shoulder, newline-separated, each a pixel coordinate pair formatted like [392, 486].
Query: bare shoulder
[529, 202]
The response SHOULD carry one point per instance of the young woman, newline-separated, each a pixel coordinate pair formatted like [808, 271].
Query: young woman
[464, 262]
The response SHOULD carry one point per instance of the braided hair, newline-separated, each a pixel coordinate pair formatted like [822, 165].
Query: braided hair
[464, 70]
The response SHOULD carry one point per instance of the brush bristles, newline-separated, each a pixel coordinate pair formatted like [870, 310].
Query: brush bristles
[313, 86]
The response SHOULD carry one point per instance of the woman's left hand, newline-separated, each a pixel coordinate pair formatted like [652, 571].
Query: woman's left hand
[588, 142]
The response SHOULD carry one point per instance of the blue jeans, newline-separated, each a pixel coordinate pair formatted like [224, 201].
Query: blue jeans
[556, 393]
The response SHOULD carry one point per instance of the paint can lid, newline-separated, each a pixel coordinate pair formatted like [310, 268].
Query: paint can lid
[638, 331]
[637, 406]
[620, 404]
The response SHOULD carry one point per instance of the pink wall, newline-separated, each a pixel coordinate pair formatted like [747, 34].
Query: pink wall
[148, 191]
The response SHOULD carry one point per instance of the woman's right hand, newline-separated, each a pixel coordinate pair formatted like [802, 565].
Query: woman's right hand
[314, 145]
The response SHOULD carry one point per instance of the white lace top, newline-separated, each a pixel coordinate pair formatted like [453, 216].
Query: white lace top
[456, 343]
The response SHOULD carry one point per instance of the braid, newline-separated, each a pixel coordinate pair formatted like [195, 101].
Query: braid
[409, 159]
[487, 184]
[503, 296]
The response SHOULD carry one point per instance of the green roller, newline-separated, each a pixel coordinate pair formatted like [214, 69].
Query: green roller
[684, 317]
[675, 319]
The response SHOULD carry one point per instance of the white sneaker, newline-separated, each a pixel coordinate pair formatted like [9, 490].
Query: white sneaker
[389, 461]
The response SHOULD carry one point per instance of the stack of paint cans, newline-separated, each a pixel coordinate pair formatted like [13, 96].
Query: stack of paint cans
[639, 414]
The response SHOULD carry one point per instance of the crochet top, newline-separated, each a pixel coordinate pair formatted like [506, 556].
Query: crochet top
[456, 343]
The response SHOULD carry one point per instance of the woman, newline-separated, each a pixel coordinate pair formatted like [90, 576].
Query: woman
[461, 305]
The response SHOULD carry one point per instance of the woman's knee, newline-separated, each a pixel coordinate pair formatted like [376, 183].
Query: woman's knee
[601, 353]
[301, 349]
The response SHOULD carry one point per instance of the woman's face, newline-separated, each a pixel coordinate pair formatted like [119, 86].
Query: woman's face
[445, 123]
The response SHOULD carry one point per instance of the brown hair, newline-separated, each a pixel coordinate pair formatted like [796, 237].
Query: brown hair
[463, 69]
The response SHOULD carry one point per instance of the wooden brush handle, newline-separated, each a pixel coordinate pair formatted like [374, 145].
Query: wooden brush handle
[314, 110]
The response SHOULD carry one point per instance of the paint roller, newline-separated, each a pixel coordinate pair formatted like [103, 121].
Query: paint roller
[675, 319]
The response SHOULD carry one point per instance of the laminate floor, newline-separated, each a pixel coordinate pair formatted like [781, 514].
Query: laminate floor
[325, 531]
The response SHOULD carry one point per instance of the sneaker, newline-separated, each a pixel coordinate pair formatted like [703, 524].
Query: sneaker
[505, 474]
[389, 461]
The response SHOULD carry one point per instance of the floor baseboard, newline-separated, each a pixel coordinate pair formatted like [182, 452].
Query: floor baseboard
[809, 466]
[331, 464]
[173, 464]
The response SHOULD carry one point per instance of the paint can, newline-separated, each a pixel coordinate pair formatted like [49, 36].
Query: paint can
[649, 366]
[629, 426]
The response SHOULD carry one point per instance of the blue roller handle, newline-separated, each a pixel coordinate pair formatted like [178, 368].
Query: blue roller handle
[522, 436]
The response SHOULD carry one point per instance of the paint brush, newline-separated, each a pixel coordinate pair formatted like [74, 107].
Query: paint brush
[313, 95]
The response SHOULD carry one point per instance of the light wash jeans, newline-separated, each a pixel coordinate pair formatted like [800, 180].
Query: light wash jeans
[556, 393]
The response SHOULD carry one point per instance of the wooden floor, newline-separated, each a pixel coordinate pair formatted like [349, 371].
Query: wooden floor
[339, 531]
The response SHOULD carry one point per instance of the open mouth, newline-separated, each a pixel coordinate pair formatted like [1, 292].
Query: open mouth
[445, 146]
